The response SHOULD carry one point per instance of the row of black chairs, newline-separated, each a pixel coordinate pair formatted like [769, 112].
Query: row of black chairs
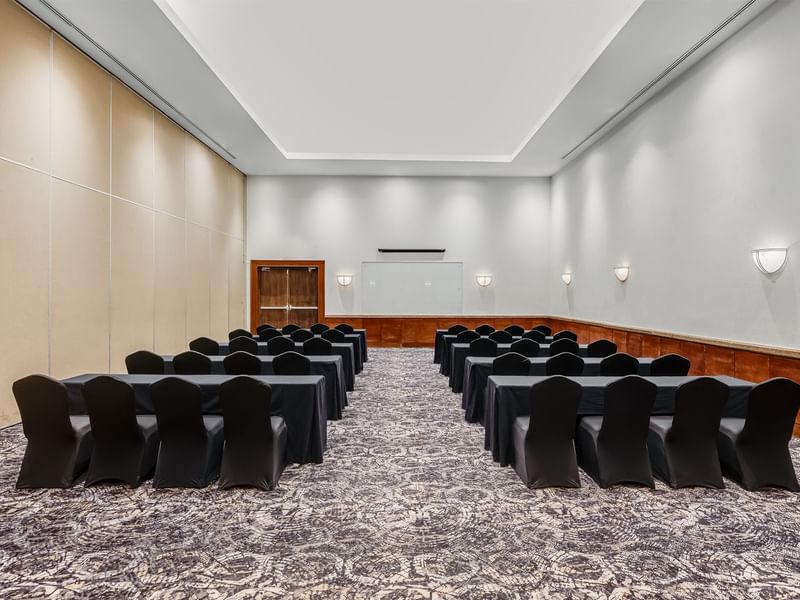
[248, 343]
[144, 362]
[693, 447]
[514, 330]
[571, 365]
[531, 341]
[316, 328]
[178, 445]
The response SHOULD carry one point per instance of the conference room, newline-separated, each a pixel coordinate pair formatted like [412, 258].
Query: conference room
[377, 299]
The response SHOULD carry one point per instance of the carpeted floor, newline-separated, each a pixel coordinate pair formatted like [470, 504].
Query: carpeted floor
[406, 505]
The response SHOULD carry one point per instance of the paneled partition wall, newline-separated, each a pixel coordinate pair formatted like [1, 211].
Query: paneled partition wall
[119, 230]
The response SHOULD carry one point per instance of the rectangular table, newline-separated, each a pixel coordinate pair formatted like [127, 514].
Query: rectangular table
[445, 345]
[477, 370]
[330, 367]
[509, 397]
[299, 399]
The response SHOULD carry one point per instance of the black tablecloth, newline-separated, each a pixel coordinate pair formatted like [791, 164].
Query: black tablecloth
[509, 397]
[362, 333]
[299, 399]
[330, 367]
[443, 342]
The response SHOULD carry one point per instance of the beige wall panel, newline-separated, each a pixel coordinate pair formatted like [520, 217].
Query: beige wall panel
[170, 308]
[236, 283]
[80, 294]
[24, 87]
[131, 146]
[236, 203]
[219, 286]
[170, 183]
[81, 118]
[201, 183]
[24, 275]
[222, 205]
[198, 273]
[132, 281]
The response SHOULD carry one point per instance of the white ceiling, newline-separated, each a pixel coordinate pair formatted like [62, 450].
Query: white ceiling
[374, 80]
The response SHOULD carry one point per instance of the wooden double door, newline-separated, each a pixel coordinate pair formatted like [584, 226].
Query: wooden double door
[287, 293]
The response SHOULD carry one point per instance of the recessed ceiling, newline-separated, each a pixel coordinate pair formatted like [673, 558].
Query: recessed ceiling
[446, 80]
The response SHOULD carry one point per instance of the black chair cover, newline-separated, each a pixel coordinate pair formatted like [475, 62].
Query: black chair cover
[191, 363]
[243, 344]
[544, 442]
[268, 333]
[619, 364]
[456, 329]
[255, 441]
[317, 347]
[566, 363]
[334, 336]
[755, 451]
[501, 337]
[279, 345]
[483, 347]
[191, 443]
[239, 333]
[535, 335]
[526, 347]
[263, 326]
[511, 363]
[601, 348]
[204, 345]
[291, 363]
[345, 328]
[670, 364]
[242, 363]
[318, 328]
[301, 335]
[565, 335]
[484, 329]
[290, 328]
[144, 362]
[683, 448]
[59, 446]
[564, 345]
[544, 329]
[125, 444]
[465, 337]
[514, 330]
[612, 448]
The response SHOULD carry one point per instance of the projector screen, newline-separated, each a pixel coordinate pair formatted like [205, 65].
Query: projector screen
[411, 288]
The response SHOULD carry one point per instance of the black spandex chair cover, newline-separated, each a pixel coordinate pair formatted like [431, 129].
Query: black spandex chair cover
[191, 363]
[612, 448]
[318, 328]
[535, 335]
[670, 364]
[144, 362]
[483, 347]
[204, 345]
[243, 344]
[683, 448]
[619, 364]
[191, 443]
[291, 363]
[59, 446]
[334, 336]
[345, 328]
[755, 451]
[456, 329]
[125, 444]
[526, 347]
[511, 363]
[301, 335]
[268, 333]
[317, 347]
[465, 337]
[544, 329]
[565, 335]
[514, 330]
[566, 363]
[544, 446]
[601, 348]
[263, 326]
[279, 345]
[242, 363]
[564, 345]
[290, 328]
[255, 441]
[484, 329]
[239, 333]
[501, 337]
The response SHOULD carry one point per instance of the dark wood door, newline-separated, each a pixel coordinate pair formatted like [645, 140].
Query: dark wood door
[287, 294]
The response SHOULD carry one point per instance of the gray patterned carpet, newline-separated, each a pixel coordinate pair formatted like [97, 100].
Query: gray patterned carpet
[406, 505]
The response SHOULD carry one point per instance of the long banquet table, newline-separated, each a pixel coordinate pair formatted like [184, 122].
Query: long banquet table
[477, 370]
[299, 399]
[444, 340]
[508, 397]
[358, 338]
[330, 367]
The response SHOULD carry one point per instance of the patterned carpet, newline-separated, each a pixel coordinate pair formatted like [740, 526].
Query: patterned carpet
[406, 505]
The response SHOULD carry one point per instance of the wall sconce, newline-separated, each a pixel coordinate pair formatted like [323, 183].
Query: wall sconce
[770, 260]
[566, 278]
[622, 272]
[484, 280]
[344, 279]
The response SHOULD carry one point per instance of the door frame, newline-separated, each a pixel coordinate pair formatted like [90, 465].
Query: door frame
[256, 264]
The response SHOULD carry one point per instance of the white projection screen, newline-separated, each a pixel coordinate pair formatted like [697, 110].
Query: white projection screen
[411, 288]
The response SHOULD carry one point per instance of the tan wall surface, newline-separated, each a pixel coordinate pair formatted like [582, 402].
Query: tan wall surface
[119, 231]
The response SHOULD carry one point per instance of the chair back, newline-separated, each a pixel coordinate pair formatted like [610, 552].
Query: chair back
[246, 410]
[535, 335]
[771, 412]
[318, 328]
[43, 407]
[484, 329]
[334, 336]
[263, 326]
[301, 335]
[465, 337]
[601, 348]
[242, 363]
[111, 405]
[345, 328]
[698, 410]
[565, 335]
[627, 405]
[483, 347]
[290, 328]
[144, 362]
[511, 363]
[291, 363]
[191, 363]
[243, 344]
[501, 337]
[204, 345]
[670, 364]
[564, 345]
[317, 346]
[279, 345]
[619, 364]
[553, 409]
[544, 329]
[456, 329]
[514, 330]
[526, 347]
[179, 410]
[566, 363]
[268, 333]
[239, 333]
